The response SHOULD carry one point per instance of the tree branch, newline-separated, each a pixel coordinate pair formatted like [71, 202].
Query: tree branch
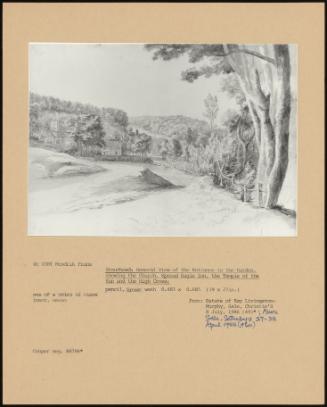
[170, 51]
[258, 55]
[249, 52]
[262, 99]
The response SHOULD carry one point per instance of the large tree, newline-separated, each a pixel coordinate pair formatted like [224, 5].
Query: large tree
[89, 133]
[263, 73]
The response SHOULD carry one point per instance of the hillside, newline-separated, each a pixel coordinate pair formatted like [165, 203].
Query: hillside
[169, 126]
[115, 117]
[54, 122]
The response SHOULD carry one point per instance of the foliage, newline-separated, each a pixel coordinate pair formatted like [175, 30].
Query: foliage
[89, 133]
[143, 144]
[138, 142]
[195, 53]
[51, 104]
[257, 69]
[211, 107]
[177, 148]
[191, 136]
[169, 126]
[73, 127]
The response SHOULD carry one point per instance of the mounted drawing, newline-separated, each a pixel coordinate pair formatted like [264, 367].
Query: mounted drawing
[162, 140]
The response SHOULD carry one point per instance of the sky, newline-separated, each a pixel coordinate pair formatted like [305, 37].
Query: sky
[122, 76]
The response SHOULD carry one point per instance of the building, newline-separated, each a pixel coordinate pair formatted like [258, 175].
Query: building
[113, 148]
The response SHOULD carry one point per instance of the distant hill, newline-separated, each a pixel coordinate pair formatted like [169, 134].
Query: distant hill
[168, 126]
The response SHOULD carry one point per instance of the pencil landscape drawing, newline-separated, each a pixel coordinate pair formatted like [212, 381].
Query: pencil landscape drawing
[162, 139]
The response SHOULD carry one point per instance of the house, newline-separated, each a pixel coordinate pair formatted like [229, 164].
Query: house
[113, 148]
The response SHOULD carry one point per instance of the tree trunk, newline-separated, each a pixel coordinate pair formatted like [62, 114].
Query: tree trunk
[267, 150]
[283, 112]
[252, 110]
[272, 136]
[243, 146]
[259, 107]
[256, 123]
[267, 133]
